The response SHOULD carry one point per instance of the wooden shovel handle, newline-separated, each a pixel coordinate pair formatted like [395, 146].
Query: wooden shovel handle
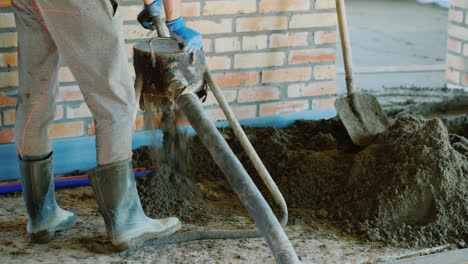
[345, 45]
[161, 28]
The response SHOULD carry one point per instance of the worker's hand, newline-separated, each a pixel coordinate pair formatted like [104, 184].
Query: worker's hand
[146, 15]
[191, 39]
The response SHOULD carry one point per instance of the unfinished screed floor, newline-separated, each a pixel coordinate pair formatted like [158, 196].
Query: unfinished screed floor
[86, 243]
[317, 241]
[395, 33]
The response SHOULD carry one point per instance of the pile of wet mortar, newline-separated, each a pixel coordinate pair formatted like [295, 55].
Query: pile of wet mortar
[409, 188]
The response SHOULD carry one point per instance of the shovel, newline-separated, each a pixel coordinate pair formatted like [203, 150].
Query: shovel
[361, 114]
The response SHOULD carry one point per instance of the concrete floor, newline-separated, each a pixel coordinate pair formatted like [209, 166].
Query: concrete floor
[450, 257]
[396, 33]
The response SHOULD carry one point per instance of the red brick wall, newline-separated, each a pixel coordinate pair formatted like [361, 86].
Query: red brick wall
[270, 57]
[457, 45]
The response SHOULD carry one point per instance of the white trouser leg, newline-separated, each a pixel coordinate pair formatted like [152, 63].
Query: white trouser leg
[88, 35]
[38, 81]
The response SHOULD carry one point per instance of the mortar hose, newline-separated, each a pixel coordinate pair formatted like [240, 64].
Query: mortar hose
[257, 207]
[269, 227]
[252, 199]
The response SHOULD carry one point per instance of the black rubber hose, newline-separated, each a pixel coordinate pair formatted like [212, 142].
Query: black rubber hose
[252, 199]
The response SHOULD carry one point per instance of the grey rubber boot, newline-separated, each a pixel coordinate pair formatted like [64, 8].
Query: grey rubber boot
[126, 224]
[45, 216]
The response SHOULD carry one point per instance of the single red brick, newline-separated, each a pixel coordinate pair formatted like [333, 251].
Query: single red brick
[78, 111]
[130, 47]
[464, 80]
[245, 111]
[227, 44]
[70, 129]
[241, 112]
[452, 76]
[287, 75]
[256, 42]
[259, 60]
[456, 62]
[69, 93]
[91, 128]
[282, 6]
[130, 12]
[322, 72]
[5, 3]
[207, 45]
[7, 135]
[324, 37]
[312, 89]
[454, 45]
[65, 75]
[7, 20]
[229, 95]
[229, 7]
[9, 117]
[191, 9]
[456, 15]
[9, 79]
[207, 26]
[465, 50]
[236, 79]
[324, 4]
[9, 59]
[313, 20]
[7, 101]
[139, 122]
[312, 55]
[324, 103]
[8, 39]
[258, 94]
[218, 62]
[457, 31]
[288, 40]
[59, 113]
[268, 23]
[284, 107]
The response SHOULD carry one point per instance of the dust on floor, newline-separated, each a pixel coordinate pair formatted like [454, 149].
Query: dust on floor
[316, 231]
[318, 242]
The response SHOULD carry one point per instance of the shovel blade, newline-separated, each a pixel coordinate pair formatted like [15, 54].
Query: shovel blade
[362, 116]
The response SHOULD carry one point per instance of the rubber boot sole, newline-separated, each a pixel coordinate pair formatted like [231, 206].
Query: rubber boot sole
[46, 236]
[140, 241]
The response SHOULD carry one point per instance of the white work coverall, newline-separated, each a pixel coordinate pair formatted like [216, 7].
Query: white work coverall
[87, 35]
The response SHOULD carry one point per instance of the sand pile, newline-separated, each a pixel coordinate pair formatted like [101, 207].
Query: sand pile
[409, 188]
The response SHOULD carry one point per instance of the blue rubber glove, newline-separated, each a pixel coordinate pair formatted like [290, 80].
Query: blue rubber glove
[191, 39]
[147, 14]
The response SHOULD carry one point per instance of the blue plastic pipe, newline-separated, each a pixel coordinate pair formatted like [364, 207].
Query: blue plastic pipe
[60, 183]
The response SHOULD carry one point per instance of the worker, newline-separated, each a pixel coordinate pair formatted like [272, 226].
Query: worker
[88, 36]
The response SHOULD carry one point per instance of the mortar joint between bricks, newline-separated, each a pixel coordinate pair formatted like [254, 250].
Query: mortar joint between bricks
[8, 49]
[8, 69]
[7, 9]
